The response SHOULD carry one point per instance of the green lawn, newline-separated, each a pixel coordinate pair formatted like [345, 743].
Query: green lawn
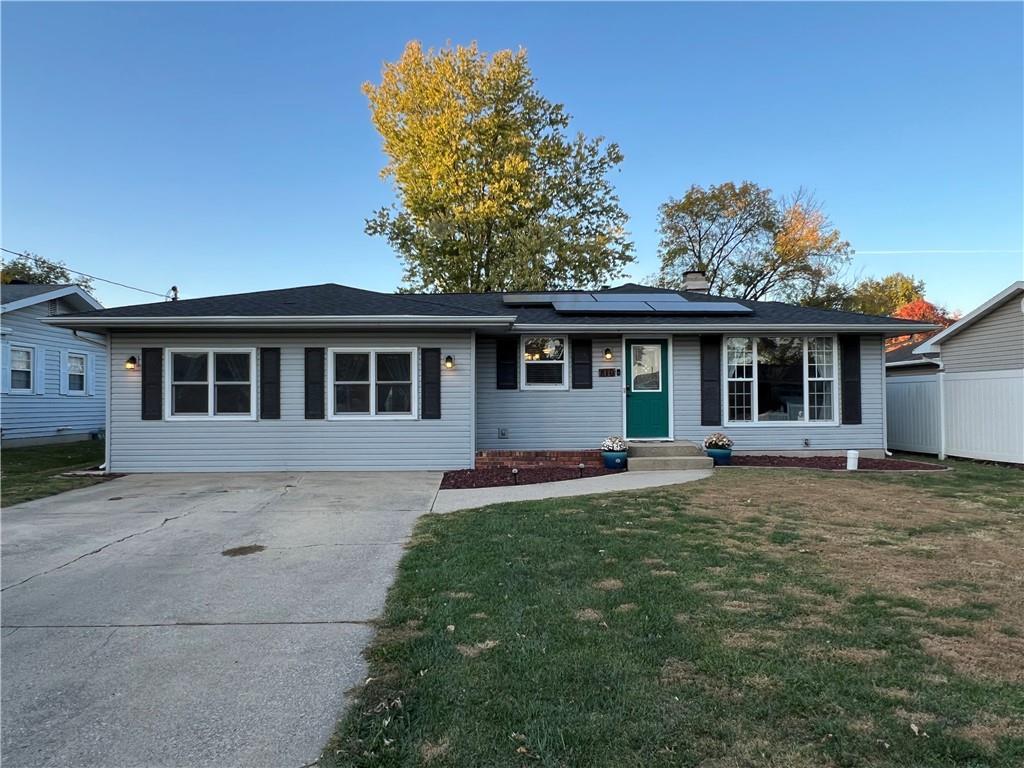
[759, 618]
[33, 472]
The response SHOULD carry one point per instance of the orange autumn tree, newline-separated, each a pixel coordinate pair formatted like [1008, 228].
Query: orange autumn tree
[925, 311]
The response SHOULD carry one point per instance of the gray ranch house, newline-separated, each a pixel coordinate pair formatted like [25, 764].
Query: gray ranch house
[53, 381]
[329, 377]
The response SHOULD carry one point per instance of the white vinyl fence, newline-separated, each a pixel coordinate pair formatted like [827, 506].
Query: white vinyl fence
[912, 413]
[976, 415]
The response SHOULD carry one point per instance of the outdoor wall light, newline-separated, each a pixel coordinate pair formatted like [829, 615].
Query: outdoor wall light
[607, 353]
[131, 363]
[449, 362]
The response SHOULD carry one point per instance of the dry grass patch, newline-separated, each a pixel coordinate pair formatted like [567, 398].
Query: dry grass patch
[665, 572]
[432, 750]
[457, 595]
[969, 547]
[989, 729]
[607, 585]
[471, 651]
[860, 655]
[588, 614]
[625, 608]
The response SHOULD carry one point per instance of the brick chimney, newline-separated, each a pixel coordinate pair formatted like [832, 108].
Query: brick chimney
[695, 281]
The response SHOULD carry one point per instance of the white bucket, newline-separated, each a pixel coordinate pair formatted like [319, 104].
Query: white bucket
[852, 459]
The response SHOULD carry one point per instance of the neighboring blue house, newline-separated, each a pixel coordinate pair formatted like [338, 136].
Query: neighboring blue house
[53, 381]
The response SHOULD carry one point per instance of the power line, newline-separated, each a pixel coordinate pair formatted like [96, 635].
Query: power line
[40, 260]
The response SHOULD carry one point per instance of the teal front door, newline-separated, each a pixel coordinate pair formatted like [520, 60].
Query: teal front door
[646, 389]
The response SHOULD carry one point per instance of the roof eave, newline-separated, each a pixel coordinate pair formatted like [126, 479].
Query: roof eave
[293, 321]
[75, 291]
[888, 329]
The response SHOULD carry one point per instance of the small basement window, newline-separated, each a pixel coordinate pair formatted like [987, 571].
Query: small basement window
[543, 360]
[211, 383]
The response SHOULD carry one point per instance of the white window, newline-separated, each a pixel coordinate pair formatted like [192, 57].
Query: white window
[780, 379]
[211, 383]
[372, 383]
[76, 373]
[646, 376]
[544, 362]
[21, 369]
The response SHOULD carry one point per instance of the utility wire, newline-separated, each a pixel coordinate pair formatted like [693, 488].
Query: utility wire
[40, 260]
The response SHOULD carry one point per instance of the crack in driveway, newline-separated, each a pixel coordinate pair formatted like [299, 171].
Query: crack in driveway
[98, 550]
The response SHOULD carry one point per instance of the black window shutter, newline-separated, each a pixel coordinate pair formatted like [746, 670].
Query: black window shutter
[507, 354]
[430, 383]
[315, 382]
[711, 381]
[849, 363]
[152, 383]
[582, 364]
[270, 383]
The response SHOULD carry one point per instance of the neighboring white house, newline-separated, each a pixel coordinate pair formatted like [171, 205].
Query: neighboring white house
[53, 381]
[965, 395]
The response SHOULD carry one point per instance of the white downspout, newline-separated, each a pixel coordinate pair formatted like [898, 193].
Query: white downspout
[885, 405]
[941, 376]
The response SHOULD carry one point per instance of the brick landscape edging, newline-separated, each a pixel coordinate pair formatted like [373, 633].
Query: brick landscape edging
[534, 459]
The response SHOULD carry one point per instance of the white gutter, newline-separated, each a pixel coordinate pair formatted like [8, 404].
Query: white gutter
[921, 361]
[290, 321]
[754, 327]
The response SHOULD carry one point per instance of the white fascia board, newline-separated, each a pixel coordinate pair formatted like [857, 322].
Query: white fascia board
[866, 330]
[59, 293]
[933, 344]
[309, 321]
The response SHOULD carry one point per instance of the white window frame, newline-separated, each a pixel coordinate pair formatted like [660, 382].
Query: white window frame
[566, 352]
[632, 378]
[84, 391]
[211, 381]
[414, 384]
[804, 422]
[31, 388]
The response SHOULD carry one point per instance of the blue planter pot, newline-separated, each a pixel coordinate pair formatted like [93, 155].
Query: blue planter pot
[722, 456]
[614, 459]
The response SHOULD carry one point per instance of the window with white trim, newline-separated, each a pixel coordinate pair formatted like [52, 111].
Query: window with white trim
[543, 360]
[373, 383]
[211, 383]
[780, 379]
[21, 369]
[76, 373]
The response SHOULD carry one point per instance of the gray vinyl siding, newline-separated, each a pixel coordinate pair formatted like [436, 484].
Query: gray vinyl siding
[292, 442]
[994, 343]
[547, 419]
[868, 435]
[52, 415]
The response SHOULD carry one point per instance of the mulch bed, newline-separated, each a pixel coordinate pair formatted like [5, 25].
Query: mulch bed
[834, 462]
[489, 477]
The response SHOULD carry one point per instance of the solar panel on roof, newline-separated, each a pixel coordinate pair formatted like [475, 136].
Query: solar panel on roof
[617, 298]
[701, 308]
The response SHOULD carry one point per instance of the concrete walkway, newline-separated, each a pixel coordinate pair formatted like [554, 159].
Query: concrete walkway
[468, 498]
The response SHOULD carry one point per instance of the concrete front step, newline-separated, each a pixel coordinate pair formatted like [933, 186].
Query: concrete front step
[649, 463]
[680, 448]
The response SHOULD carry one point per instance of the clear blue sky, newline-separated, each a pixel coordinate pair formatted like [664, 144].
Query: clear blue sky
[227, 147]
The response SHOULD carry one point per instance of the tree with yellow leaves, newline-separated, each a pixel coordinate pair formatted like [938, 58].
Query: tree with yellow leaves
[493, 194]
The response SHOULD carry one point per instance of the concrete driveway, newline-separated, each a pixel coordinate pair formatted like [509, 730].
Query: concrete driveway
[130, 639]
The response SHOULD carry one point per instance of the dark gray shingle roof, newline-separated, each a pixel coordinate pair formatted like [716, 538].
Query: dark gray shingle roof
[331, 299]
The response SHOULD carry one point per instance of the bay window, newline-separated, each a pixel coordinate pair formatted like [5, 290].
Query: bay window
[372, 383]
[780, 379]
[543, 361]
[211, 383]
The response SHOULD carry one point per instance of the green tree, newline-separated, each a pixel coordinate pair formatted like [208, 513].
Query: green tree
[35, 269]
[883, 296]
[752, 245]
[493, 194]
